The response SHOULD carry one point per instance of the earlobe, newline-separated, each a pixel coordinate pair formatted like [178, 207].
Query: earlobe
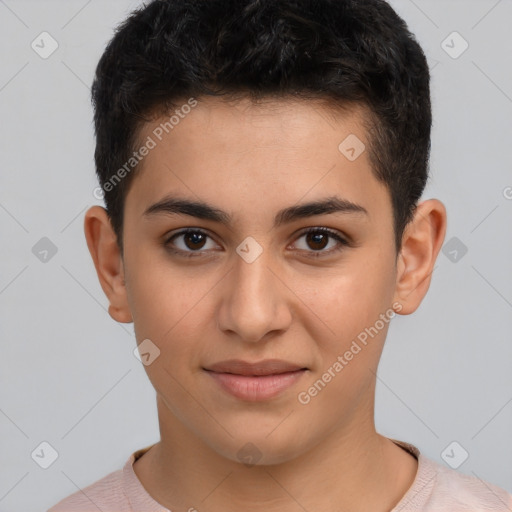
[421, 243]
[102, 244]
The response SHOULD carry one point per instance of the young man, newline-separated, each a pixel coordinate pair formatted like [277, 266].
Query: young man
[262, 163]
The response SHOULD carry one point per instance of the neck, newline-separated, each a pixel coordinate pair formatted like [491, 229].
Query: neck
[352, 469]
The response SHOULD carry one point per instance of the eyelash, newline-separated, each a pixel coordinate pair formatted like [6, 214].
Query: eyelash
[314, 254]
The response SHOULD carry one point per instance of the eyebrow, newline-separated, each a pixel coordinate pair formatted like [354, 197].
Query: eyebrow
[171, 205]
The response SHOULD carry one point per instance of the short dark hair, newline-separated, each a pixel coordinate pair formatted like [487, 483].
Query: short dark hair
[348, 52]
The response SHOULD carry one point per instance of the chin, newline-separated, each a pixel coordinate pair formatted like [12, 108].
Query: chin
[255, 447]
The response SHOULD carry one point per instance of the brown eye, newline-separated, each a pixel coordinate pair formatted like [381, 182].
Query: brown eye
[188, 242]
[194, 240]
[317, 239]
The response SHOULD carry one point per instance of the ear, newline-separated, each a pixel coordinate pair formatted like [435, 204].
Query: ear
[102, 244]
[421, 243]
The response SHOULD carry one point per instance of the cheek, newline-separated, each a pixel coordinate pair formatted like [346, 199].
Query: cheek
[169, 309]
[158, 295]
[348, 306]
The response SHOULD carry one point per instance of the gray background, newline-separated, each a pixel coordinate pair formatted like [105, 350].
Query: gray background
[68, 373]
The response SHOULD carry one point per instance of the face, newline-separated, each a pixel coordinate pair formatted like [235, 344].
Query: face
[259, 276]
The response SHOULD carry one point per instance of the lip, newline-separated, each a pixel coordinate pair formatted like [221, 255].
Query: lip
[257, 381]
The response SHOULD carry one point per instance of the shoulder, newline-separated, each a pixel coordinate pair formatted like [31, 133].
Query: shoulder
[106, 494]
[459, 490]
[438, 488]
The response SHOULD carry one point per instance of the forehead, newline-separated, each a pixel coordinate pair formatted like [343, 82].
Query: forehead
[250, 123]
[287, 114]
[273, 153]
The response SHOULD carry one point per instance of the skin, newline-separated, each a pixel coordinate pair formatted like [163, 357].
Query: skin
[251, 161]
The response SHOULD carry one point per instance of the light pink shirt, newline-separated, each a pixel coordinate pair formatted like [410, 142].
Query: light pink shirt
[436, 488]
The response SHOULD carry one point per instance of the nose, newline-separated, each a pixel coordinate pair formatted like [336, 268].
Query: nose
[255, 302]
